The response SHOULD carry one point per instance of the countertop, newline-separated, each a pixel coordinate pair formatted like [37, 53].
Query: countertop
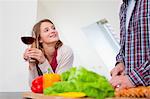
[30, 95]
[11, 95]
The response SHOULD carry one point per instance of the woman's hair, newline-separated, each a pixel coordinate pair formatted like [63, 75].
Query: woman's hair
[36, 34]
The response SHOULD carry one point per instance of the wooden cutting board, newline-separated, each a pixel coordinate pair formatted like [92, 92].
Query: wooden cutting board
[31, 95]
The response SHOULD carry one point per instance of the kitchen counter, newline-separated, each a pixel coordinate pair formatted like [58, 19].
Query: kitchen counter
[30, 95]
[11, 95]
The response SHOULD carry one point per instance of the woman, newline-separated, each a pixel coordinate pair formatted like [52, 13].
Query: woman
[50, 53]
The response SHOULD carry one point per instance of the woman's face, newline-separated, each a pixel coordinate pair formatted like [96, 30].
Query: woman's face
[48, 33]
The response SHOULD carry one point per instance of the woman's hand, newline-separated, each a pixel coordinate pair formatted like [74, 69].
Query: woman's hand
[25, 55]
[121, 82]
[118, 70]
[35, 54]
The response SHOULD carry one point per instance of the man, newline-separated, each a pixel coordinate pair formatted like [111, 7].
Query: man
[133, 60]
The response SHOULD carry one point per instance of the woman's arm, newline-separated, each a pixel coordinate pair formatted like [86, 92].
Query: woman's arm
[65, 59]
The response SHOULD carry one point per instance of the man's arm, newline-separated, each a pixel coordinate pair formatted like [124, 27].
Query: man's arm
[120, 57]
[141, 76]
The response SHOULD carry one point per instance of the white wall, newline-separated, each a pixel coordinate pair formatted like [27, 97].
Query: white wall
[16, 19]
[101, 39]
[70, 16]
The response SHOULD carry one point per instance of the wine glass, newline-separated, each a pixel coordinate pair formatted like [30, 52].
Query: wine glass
[28, 40]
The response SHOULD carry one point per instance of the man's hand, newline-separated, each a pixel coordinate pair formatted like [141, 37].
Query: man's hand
[121, 82]
[118, 70]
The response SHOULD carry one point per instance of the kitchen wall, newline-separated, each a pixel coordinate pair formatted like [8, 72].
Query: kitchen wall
[16, 19]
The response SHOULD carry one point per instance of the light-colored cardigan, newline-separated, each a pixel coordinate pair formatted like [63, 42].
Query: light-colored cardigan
[64, 60]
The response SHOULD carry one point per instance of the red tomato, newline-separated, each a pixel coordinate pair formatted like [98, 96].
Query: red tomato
[38, 80]
[37, 89]
[37, 85]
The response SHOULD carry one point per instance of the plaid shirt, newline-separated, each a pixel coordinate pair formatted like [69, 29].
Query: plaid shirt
[135, 43]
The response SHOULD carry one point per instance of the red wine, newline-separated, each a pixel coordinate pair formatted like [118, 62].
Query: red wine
[27, 40]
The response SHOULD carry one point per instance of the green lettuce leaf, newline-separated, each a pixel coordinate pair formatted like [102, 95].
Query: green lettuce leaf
[82, 80]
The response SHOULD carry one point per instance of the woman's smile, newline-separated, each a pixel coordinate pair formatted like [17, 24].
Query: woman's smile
[53, 36]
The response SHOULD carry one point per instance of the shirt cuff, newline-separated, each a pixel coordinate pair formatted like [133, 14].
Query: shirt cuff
[119, 59]
[135, 78]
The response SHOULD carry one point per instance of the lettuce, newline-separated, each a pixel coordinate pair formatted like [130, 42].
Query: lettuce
[82, 80]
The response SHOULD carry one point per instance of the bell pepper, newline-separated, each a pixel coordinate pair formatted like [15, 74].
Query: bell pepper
[49, 79]
[45, 81]
[37, 85]
[72, 94]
